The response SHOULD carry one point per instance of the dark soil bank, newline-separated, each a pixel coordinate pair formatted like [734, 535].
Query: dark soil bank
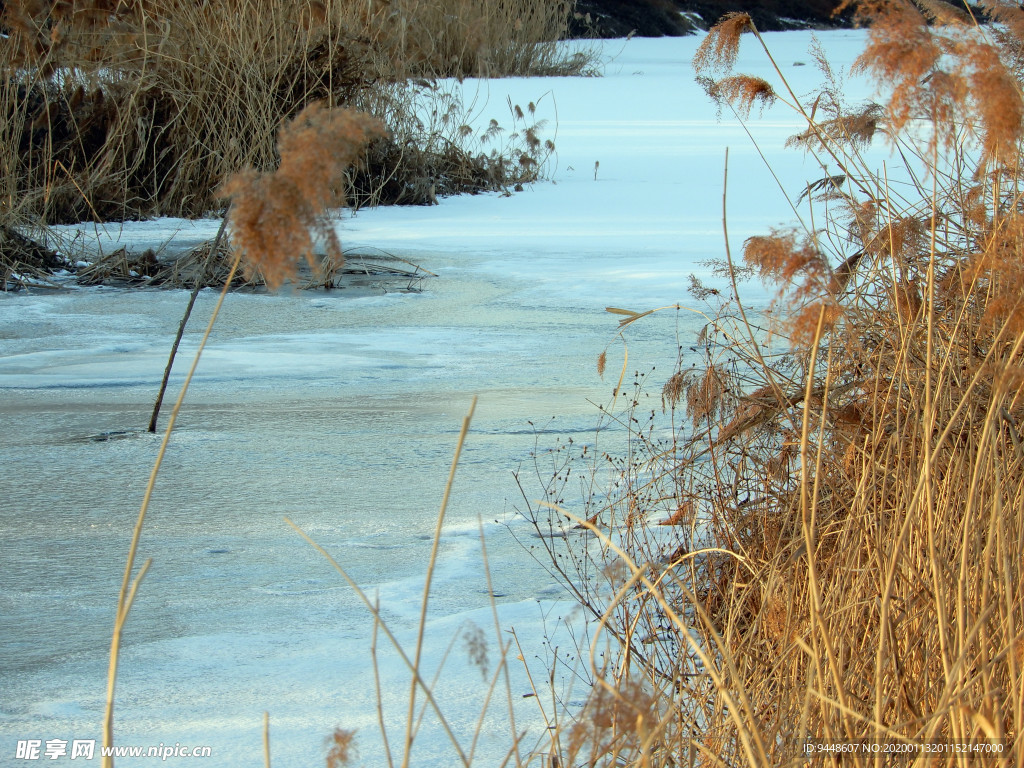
[658, 18]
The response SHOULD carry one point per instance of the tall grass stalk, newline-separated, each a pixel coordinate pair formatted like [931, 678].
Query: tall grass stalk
[413, 661]
[130, 586]
[499, 678]
[181, 330]
[418, 655]
[417, 677]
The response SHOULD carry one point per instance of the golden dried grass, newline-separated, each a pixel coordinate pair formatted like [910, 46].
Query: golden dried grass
[846, 503]
[121, 110]
[718, 51]
[742, 92]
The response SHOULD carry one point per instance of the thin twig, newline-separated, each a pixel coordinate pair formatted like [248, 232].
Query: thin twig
[181, 327]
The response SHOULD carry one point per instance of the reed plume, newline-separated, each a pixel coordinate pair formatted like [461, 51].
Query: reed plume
[274, 216]
[718, 51]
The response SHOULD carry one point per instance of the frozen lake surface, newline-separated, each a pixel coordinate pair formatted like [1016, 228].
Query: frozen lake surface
[341, 411]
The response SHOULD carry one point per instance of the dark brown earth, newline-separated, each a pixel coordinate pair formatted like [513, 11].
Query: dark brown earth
[658, 18]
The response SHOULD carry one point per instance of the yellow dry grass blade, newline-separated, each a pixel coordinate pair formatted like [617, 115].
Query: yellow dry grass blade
[630, 315]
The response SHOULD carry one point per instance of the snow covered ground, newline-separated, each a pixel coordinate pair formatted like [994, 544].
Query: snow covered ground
[341, 412]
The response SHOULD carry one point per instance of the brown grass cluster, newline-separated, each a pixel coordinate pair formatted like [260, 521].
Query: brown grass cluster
[742, 92]
[119, 110]
[718, 51]
[274, 215]
[477, 38]
[819, 534]
[855, 130]
[342, 748]
[947, 73]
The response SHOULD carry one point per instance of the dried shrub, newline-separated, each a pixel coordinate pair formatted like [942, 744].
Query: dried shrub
[25, 262]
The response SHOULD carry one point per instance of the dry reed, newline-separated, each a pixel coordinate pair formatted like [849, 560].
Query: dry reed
[819, 535]
[123, 110]
[843, 559]
[274, 215]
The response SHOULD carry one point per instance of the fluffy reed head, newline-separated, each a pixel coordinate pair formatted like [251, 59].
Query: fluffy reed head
[742, 92]
[274, 215]
[947, 74]
[718, 51]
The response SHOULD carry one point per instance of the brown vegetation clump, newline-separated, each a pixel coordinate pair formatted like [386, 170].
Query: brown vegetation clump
[342, 748]
[718, 51]
[741, 92]
[274, 215]
[122, 110]
[979, 89]
[846, 496]
[23, 261]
